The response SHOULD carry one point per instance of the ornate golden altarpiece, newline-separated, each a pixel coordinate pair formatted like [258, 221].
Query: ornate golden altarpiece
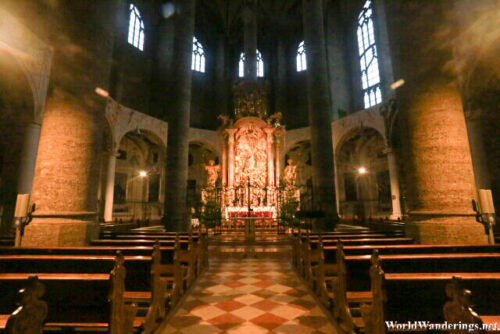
[250, 166]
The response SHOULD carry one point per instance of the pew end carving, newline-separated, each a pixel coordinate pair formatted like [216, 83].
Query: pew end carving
[122, 314]
[29, 317]
[373, 315]
[458, 309]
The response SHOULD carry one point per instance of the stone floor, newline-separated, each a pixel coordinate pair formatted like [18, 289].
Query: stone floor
[250, 296]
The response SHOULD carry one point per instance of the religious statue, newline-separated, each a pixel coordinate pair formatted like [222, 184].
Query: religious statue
[226, 121]
[212, 173]
[290, 174]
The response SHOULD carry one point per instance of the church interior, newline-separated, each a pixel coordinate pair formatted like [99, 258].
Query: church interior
[249, 166]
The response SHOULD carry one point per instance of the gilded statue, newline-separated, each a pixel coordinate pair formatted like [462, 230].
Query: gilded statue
[290, 174]
[212, 173]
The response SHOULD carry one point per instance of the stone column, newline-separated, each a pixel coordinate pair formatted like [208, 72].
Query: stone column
[320, 117]
[69, 153]
[161, 192]
[337, 187]
[230, 159]
[277, 168]
[110, 187]
[281, 92]
[270, 162]
[220, 76]
[176, 212]
[439, 173]
[393, 175]
[250, 40]
[224, 163]
[28, 158]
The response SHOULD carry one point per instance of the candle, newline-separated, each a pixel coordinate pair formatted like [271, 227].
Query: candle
[22, 205]
[486, 201]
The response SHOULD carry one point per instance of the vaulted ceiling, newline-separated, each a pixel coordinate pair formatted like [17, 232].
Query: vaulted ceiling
[225, 17]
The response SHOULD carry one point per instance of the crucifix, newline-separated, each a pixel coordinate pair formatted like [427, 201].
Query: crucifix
[249, 196]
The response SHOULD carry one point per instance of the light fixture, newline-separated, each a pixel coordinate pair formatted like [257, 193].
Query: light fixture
[143, 173]
[362, 170]
[395, 85]
[102, 92]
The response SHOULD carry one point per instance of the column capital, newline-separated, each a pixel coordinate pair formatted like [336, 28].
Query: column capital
[388, 150]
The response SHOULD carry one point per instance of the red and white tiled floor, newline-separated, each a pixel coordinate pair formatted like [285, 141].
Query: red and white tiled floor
[250, 296]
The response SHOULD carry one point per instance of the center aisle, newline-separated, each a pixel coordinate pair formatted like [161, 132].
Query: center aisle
[250, 296]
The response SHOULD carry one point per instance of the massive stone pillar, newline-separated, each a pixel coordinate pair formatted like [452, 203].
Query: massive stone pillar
[270, 162]
[319, 109]
[277, 167]
[178, 118]
[250, 40]
[224, 163]
[439, 173]
[230, 158]
[67, 168]
[281, 93]
[110, 187]
[28, 158]
[221, 86]
[394, 179]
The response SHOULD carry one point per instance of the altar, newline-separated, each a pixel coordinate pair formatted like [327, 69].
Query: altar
[251, 186]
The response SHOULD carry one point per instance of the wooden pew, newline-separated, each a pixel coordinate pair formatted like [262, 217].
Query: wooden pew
[459, 308]
[166, 289]
[79, 301]
[329, 279]
[140, 282]
[304, 253]
[404, 297]
[167, 251]
[410, 249]
[32, 310]
[138, 266]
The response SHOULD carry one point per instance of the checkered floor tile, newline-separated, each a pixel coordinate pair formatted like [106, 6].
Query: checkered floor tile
[249, 296]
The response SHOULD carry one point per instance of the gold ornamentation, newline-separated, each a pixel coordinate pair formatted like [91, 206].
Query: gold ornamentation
[250, 99]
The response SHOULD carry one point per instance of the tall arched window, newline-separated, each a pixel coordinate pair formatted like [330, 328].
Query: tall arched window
[370, 75]
[135, 28]
[198, 59]
[301, 58]
[260, 65]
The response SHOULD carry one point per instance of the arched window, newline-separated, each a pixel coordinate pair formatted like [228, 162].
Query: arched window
[301, 58]
[135, 28]
[260, 65]
[198, 59]
[368, 57]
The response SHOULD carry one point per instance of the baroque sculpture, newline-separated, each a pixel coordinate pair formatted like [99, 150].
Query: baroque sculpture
[212, 173]
[290, 174]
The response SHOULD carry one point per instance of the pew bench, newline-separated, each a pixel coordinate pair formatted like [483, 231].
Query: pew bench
[140, 282]
[408, 296]
[460, 309]
[76, 301]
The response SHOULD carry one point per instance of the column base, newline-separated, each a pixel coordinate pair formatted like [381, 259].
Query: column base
[53, 232]
[446, 230]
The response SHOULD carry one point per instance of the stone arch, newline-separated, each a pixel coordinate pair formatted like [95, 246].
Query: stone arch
[362, 174]
[122, 120]
[343, 128]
